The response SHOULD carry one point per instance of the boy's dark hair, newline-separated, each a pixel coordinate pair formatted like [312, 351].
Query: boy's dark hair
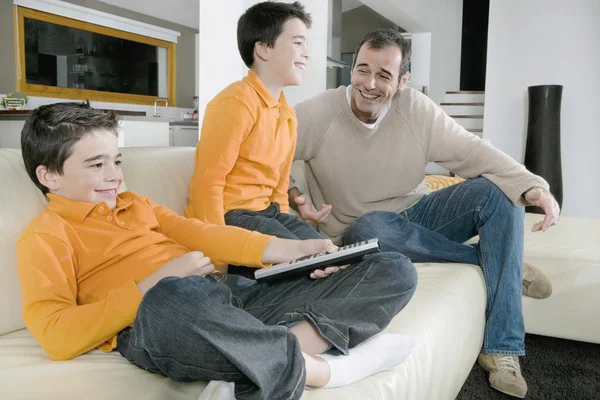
[51, 131]
[263, 22]
[383, 38]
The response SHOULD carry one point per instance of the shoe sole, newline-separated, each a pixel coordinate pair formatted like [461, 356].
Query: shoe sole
[508, 393]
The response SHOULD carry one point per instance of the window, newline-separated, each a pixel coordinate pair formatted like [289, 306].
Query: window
[67, 58]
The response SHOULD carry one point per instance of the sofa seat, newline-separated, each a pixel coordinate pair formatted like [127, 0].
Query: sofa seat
[569, 254]
[26, 373]
[446, 315]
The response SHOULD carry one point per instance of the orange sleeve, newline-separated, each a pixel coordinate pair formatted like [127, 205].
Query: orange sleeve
[221, 243]
[280, 192]
[64, 329]
[226, 125]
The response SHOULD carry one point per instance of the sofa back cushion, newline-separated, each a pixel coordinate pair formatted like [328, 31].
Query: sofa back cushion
[20, 201]
[163, 174]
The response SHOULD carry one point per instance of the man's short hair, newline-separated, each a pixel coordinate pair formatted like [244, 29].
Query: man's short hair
[51, 131]
[263, 22]
[383, 38]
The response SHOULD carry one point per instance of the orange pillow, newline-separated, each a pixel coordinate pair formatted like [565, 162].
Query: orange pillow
[437, 182]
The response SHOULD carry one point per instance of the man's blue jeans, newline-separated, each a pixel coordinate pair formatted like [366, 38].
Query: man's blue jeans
[434, 230]
[226, 327]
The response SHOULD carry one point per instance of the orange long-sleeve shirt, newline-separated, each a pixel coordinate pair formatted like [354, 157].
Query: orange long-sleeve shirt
[245, 152]
[79, 264]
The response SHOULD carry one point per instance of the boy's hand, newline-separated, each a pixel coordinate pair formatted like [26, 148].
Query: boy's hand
[324, 273]
[282, 250]
[192, 263]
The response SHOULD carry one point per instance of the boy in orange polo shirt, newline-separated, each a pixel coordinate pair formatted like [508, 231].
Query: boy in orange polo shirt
[245, 153]
[99, 269]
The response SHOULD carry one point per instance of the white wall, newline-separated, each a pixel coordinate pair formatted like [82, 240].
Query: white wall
[220, 61]
[315, 76]
[420, 69]
[534, 42]
[443, 18]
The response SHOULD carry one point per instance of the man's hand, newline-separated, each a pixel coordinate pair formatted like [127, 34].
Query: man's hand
[282, 250]
[309, 213]
[192, 263]
[537, 196]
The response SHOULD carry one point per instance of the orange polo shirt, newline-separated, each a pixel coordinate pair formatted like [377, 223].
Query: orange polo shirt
[79, 264]
[245, 152]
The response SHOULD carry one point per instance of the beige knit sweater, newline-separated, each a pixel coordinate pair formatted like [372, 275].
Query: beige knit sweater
[357, 169]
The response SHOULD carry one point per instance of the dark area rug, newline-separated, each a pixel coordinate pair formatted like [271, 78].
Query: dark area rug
[555, 369]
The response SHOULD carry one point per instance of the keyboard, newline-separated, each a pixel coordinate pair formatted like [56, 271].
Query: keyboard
[303, 266]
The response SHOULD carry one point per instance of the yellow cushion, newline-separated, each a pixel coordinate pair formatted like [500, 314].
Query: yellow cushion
[437, 182]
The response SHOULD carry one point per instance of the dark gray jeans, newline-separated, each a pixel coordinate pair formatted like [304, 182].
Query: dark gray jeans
[271, 221]
[226, 327]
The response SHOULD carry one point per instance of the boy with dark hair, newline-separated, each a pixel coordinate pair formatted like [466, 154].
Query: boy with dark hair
[245, 153]
[99, 269]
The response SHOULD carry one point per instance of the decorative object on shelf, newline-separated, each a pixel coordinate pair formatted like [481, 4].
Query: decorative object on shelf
[542, 151]
[14, 101]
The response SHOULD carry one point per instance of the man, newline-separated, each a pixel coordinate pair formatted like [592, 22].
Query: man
[366, 148]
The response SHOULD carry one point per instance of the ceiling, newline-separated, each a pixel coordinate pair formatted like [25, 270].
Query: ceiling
[350, 4]
[183, 12]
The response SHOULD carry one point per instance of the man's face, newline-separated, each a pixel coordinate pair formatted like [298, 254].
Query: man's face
[92, 173]
[289, 56]
[375, 80]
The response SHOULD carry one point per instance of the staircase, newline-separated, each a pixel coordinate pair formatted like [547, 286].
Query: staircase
[466, 107]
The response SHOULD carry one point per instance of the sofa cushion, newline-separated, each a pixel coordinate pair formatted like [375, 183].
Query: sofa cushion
[569, 255]
[446, 316]
[27, 373]
[20, 201]
[161, 173]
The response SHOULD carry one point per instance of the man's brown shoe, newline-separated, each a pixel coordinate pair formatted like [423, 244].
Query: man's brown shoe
[535, 283]
[505, 374]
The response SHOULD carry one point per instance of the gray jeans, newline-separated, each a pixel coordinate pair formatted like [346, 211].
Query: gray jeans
[271, 221]
[226, 327]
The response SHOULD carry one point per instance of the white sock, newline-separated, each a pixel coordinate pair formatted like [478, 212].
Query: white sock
[218, 390]
[377, 354]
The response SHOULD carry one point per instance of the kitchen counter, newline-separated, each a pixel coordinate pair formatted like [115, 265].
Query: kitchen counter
[134, 130]
[125, 115]
[21, 115]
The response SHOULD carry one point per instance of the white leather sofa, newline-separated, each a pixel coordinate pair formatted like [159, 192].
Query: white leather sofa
[446, 315]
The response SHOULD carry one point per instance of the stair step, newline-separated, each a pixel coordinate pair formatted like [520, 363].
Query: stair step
[466, 92]
[462, 104]
[464, 97]
[470, 123]
[453, 109]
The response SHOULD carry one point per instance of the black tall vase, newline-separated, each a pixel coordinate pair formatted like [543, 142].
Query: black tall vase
[542, 152]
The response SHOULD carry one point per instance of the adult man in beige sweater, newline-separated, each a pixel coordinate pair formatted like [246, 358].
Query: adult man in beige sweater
[366, 147]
